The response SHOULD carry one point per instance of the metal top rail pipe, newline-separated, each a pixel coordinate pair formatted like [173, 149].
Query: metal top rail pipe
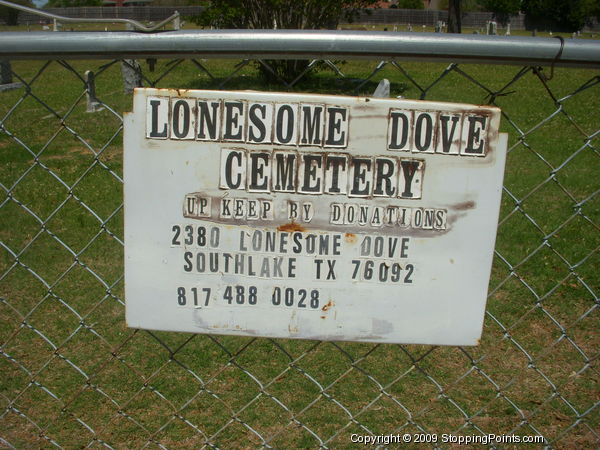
[133, 23]
[293, 44]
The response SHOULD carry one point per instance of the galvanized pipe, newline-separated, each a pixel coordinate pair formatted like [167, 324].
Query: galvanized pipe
[62, 19]
[317, 44]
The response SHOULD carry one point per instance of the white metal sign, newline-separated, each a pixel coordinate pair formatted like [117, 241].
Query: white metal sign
[308, 216]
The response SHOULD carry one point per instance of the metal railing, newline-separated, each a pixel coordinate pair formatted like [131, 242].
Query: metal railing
[286, 44]
[72, 373]
[134, 24]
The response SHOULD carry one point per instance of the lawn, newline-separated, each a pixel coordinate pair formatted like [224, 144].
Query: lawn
[72, 374]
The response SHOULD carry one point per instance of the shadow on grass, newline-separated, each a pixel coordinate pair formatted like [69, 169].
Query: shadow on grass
[314, 84]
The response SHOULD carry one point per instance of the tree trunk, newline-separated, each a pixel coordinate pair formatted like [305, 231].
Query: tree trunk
[454, 25]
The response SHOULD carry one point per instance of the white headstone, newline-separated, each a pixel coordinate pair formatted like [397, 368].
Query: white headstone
[383, 89]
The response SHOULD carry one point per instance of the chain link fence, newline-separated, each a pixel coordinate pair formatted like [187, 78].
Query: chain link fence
[73, 375]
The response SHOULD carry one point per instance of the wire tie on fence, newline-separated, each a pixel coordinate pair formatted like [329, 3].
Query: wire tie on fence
[554, 61]
[491, 97]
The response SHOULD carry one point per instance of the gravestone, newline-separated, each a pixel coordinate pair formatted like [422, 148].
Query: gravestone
[383, 89]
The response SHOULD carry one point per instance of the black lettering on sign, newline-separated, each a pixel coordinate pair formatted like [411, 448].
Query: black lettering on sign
[286, 124]
[312, 122]
[449, 134]
[440, 219]
[417, 218]
[233, 122]
[284, 171]
[196, 206]
[410, 179]
[391, 216]
[176, 232]
[331, 269]
[336, 174]
[337, 214]
[381, 271]
[475, 129]
[399, 129]
[183, 124]
[291, 298]
[424, 131]
[157, 117]
[239, 208]
[260, 119]
[187, 261]
[233, 169]
[267, 209]
[361, 174]
[260, 172]
[226, 205]
[337, 126]
[209, 120]
[385, 172]
[428, 218]
[311, 171]
[350, 213]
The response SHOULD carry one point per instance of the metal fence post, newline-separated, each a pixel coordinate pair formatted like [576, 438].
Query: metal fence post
[6, 76]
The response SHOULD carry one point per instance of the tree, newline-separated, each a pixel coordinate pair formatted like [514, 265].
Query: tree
[559, 15]
[454, 16]
[11, 15]
[465, 5]
[502, 9]
[72, 3]
[409, 4]
[281, 14]
[286, 14]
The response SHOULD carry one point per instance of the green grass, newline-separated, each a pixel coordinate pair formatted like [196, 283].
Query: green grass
[136, 387]
[187, 24]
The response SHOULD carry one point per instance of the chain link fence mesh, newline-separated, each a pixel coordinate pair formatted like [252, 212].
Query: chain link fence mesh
[73, 374]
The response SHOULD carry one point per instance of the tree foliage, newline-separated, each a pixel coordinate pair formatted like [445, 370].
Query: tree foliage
[502, 9]
[10, 15]
[559, 15]
[73, 3]
[465, 5]
[284, 14]
[281, 14]
[409, 4]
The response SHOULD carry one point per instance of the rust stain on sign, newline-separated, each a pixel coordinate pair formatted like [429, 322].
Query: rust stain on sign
[328, 306]
[292, 226]
[350, 238]
[464, 205]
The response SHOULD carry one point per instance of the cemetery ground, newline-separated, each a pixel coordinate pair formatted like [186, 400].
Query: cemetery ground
[62, 313]
[187, 24]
